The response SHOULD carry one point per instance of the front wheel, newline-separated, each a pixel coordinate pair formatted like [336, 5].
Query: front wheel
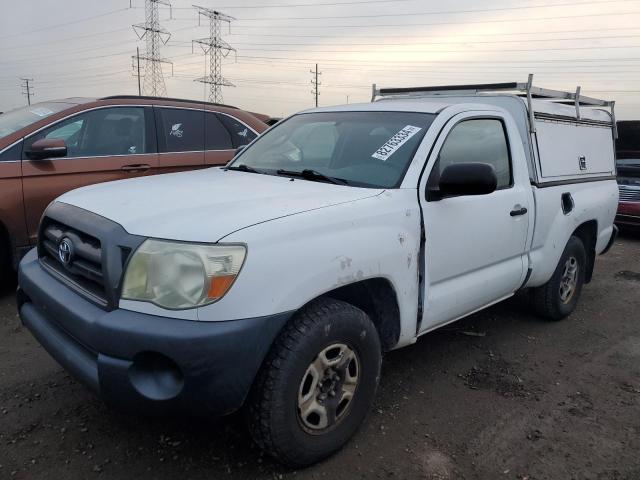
[317, 383]
[557, 298]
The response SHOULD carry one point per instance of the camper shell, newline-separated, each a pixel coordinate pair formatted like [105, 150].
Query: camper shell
[566, 136]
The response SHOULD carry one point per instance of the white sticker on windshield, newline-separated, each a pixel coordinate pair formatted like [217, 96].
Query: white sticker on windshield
[41, 111]
[395, 142]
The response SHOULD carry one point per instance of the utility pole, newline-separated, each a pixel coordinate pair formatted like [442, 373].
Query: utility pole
[138, 61]
[155, 36]
[316, 84]
[217, 50]
[27, 89]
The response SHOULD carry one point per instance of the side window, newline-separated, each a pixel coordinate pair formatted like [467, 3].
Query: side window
[482, 140]
[216, 136]
[100, 132]
[12, 154]
[180, 130]
[240, 133]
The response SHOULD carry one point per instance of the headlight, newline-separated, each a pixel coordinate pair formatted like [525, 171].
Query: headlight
[181, 275]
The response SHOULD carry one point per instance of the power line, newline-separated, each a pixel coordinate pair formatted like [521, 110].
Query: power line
[72, 22]
[383, 44]
[501, 51]
[465, 22]
[369, 2]
[412, 37]
[75, 37]
[450, 12]
[429, 62]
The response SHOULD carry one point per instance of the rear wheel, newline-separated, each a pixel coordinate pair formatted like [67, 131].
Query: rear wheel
[557, 298]
[317, 383]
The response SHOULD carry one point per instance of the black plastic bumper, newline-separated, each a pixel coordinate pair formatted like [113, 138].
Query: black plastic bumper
[145, 363]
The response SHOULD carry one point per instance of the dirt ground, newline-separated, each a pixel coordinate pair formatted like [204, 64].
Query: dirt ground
[500, 395]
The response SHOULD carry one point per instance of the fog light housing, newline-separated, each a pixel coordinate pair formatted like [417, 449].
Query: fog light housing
[156, 376]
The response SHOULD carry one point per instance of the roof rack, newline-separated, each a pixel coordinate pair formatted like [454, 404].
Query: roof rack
[169, 99]
[523, 89]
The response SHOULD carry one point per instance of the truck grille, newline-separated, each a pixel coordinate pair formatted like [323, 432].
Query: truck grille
[629, 194]
[81, 265]
[86, 252]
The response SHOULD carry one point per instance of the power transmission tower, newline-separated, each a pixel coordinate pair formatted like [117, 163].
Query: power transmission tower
[217, 50]
[155, 36]
[27, 89]
[316, 84]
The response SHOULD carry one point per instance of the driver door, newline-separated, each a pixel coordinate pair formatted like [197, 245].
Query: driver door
[475, 249]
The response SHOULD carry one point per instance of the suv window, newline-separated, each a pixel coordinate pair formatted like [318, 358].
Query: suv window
[240, 133]
[478, 140]
[100, 132]
[216, 136]
[180, 130]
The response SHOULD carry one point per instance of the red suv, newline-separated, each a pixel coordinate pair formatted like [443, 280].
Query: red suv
[49, 148]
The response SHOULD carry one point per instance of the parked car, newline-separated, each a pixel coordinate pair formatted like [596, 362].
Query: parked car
[339, 234]
[49, 148]
[628, 163]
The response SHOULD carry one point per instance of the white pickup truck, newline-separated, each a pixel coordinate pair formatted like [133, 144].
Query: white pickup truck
[277, 282]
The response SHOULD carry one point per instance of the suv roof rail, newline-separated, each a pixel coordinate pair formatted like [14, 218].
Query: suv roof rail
[522, 89]
[170, 99]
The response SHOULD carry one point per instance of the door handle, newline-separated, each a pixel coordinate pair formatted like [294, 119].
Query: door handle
[140, 167]
[519, 211]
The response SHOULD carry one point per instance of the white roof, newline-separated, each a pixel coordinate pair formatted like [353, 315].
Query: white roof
[396, 105]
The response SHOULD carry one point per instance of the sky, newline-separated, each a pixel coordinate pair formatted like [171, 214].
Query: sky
[76, 48]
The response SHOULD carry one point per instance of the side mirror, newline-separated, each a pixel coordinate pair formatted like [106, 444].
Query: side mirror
[466, 179]
[47, 148]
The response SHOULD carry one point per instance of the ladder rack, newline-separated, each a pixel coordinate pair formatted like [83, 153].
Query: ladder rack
[521, 89]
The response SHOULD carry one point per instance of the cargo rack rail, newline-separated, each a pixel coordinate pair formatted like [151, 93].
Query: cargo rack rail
[518, 88]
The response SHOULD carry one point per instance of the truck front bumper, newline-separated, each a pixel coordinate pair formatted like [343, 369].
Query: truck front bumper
[144, 363]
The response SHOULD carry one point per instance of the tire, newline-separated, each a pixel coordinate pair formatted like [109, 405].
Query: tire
[555, 300]
[287, 389]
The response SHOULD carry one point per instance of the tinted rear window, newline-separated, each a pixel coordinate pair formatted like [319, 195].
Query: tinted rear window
[180, 130]
[240, 134]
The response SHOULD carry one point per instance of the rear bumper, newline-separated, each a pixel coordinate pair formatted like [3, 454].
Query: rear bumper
[144, 363]
[628, 214]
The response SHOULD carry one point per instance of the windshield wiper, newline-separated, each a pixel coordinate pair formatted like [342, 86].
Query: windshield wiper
[312, 175]
[242, 168]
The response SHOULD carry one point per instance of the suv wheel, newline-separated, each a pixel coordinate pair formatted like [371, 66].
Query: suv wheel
[557, 298]
[317, 383]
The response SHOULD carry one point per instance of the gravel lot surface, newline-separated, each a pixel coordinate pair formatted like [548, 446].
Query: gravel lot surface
[500, 395]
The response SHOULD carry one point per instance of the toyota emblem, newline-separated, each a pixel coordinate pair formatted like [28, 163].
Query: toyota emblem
[65, 251]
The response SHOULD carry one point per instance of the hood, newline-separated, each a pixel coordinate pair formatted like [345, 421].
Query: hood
[206, 205]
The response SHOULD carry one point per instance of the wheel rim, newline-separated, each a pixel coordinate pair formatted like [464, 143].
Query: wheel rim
[569, 280]
[328, 388]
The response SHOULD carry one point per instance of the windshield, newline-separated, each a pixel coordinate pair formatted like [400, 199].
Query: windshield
[366, 149]
[14, 120]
